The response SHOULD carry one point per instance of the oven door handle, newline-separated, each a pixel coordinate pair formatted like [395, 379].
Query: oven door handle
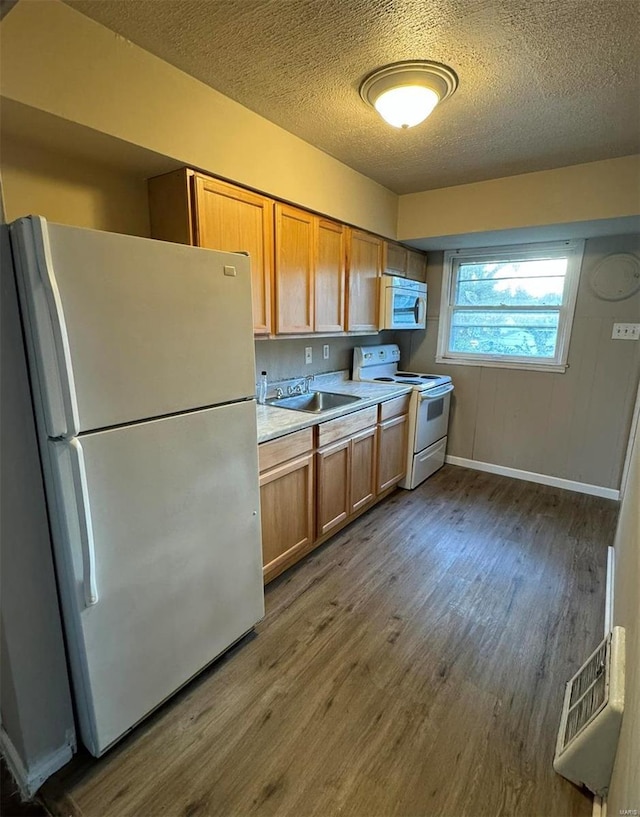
[433, 393]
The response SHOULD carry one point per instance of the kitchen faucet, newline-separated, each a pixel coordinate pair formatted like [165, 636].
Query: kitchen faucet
[302, 387]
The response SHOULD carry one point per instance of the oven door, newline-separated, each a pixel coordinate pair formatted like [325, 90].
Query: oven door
[404, 309]
[432, 416]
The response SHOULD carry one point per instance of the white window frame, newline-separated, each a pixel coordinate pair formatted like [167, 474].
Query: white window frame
[571, 250]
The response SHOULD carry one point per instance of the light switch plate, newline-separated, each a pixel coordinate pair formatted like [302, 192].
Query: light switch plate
[308, 354]
[626, 331]
[325, 351]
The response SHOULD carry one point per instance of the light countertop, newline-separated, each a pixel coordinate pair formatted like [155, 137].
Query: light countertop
[275, 422]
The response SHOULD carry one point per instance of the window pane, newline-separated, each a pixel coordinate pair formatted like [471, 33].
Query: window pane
[518, 283]
[520, 334]
[511, 292]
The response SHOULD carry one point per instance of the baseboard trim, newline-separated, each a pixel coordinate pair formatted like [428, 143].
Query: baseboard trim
[531, 476]
[30, 780]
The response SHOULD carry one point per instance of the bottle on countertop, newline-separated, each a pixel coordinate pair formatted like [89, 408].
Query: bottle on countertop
[262, 389]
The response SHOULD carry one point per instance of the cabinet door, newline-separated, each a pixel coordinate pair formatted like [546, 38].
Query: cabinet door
[229, 218]
[330, 276]
[395, 259]
[363, 468]
[294, 270]
[286, 508]
[334, 468]
[365, 268]
[416, 266]
[392, 451]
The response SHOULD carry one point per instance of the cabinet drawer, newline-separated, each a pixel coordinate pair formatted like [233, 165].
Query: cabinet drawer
[395, 407]
[284, 448]
[346, 426]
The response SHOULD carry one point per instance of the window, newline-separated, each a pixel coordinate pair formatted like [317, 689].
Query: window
[509, 306]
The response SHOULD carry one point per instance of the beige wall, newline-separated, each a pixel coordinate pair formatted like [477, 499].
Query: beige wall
[586, 192]
[573, 425]
[624, 792]
[55, 59]
[70, 190]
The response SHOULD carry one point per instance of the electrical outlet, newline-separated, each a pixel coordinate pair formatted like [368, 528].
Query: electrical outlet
[308, 354]
[626, 331]
[325, 352]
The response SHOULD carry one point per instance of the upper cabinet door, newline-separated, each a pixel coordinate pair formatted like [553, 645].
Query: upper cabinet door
[395, 262]
[236, 220]
[416, 265]
[294, 270]
[364, 271]
[330, 276]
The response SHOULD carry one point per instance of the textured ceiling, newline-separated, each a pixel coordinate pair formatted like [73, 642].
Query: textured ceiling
[543, 83]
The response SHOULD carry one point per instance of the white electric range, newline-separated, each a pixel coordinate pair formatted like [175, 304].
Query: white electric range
[428, 409]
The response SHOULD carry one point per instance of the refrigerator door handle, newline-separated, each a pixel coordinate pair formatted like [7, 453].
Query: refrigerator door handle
[50, 340]
[84, 521]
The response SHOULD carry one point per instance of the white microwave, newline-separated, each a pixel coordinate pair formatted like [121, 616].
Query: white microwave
[403, 303]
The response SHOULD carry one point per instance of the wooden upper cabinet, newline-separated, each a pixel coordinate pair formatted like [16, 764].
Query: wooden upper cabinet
[294, 270]
[330, 276]
[395, 261]
[364, 269]
[191, 208]
[232, 219]
[416, 265]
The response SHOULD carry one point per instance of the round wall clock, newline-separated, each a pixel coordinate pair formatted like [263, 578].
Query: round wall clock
[616, 277]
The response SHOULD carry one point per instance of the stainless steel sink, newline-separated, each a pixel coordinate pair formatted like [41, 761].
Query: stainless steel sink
[314, 402]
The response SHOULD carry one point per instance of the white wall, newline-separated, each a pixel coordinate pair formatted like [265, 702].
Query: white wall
[55, 59]
[581, 193]
[624, 792]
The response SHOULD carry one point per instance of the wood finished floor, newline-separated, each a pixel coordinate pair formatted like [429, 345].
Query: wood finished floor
[413, 666]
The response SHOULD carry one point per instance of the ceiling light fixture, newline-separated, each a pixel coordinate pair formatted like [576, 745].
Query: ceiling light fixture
[405, 93]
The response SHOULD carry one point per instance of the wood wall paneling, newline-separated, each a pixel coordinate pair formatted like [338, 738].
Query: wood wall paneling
[573, 425]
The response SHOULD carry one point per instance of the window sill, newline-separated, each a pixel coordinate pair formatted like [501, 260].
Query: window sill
[558, 368]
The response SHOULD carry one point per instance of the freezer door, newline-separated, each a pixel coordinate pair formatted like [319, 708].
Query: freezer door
[157, 543]
[123, 328]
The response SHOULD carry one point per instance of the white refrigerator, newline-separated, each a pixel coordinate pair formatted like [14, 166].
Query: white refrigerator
[141, 360]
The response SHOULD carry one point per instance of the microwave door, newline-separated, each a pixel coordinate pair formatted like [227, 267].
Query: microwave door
[405, 310]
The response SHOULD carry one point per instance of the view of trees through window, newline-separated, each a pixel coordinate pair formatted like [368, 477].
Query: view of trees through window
[508, 308]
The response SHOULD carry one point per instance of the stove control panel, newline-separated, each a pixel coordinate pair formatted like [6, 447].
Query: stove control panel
[364, 356]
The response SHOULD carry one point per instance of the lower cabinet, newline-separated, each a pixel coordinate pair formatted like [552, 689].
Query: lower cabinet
[287, 500]
[333, 486]
[358, 458]
[346, 479]
[363, 469]
[345, 467]
[393, 426]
